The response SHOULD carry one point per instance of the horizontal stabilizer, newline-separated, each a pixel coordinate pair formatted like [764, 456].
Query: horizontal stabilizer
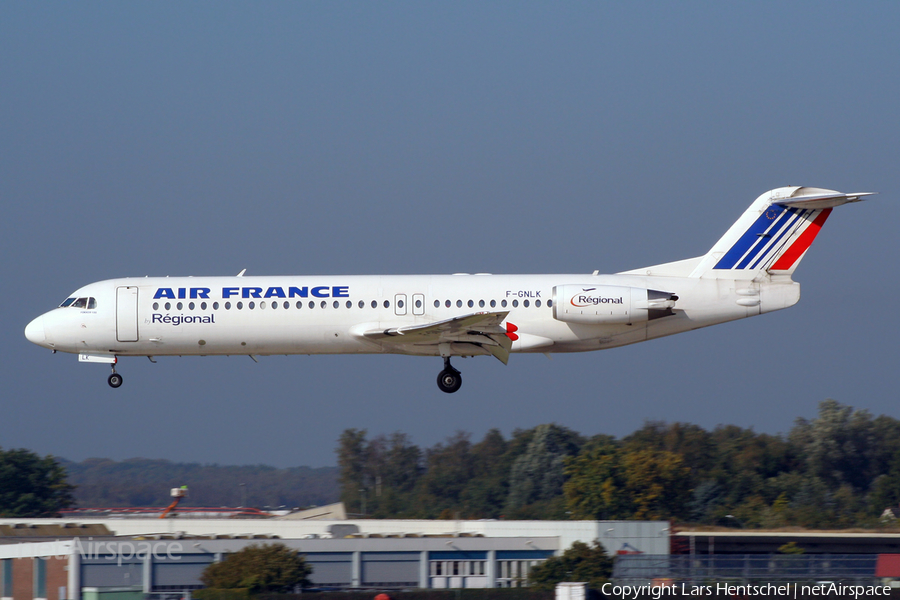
[823, 201]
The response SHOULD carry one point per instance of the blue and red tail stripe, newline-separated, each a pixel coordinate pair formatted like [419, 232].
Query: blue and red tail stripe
[763, 235]
[802, 244]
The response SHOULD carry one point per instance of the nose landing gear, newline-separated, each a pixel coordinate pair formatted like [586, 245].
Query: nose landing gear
[449, 380]
[114, 380]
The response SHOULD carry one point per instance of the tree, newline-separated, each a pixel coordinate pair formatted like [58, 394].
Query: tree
[351, 453]
[839, 445]
[31, 486]
[538, 474]
[259, 568]
[594, 489]
[579, 563]
[449, 467]
[657, 483]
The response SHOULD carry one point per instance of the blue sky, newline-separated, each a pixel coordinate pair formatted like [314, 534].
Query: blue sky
[355, 138]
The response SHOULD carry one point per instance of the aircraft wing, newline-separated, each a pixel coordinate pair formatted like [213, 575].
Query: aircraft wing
[482, 329]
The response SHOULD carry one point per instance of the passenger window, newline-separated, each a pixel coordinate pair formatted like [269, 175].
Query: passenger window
[362, 303]
[336, 304]
[323, 304]
[240, 305]
[470, 304]
[168, 306]
[459, 304]
[92, 303]
[80, 303]
[215, 306]
[191, 306]
[493, 304]
[515, 303]
[349, 304]
[251, 305]
[537, 303]
[299, 304]
[481, 303]
[312, 304]
[67, 302]
[387, 303]
[262, 305]
[203, 306]
[437, 303]
[156, 306]
[418, 304]
[447, 304]
[503, 303]
[374, 303]
[400, 303]
[549, 303]
[287, 305]
[228, 306]
[179, 306]
[525, 304]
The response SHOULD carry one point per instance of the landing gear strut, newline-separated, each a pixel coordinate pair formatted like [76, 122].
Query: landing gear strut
[449, 380]
[114, 380]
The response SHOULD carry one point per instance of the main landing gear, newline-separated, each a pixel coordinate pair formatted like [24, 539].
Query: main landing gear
[114, 380]
[449, 380]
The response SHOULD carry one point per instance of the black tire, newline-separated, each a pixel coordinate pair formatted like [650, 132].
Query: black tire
[449, 381]
[115, 380]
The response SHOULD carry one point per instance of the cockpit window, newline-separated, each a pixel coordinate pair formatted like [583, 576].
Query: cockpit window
[88, 303]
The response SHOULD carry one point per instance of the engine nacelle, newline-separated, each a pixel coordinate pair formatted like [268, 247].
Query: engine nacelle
[610, 304]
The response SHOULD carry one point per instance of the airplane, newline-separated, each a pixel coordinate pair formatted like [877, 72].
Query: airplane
[746, 273]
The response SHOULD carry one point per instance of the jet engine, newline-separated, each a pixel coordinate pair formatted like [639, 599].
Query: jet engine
[610, 304]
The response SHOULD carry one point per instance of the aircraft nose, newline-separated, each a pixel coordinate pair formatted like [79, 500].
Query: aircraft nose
[34, 331]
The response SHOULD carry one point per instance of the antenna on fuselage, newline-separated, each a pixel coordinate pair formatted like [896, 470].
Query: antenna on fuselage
[241, 274]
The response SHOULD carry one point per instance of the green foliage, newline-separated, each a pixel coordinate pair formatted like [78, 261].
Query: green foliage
[351, 455]
[537, 474]
[455, 478]
[609, 482]
[579, 563]
[221, 594]
[259, 568]
[790, 548]
[595, 485]
[145, 482]
[31, 486]
[841, 469]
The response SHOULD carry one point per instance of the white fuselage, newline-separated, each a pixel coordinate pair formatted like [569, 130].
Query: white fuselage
[329, 314]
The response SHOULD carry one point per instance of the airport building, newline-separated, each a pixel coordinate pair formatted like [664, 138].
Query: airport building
[130, 558]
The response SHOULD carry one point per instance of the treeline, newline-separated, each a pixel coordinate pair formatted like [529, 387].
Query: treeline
[841, 469]
[143, 482]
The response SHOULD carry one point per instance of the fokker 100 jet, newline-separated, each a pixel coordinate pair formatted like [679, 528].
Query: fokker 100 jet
[746, 273]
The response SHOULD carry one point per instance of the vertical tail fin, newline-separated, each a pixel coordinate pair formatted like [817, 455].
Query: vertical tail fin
[773, 234]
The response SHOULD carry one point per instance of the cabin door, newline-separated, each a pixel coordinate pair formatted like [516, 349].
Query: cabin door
[127, 314]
